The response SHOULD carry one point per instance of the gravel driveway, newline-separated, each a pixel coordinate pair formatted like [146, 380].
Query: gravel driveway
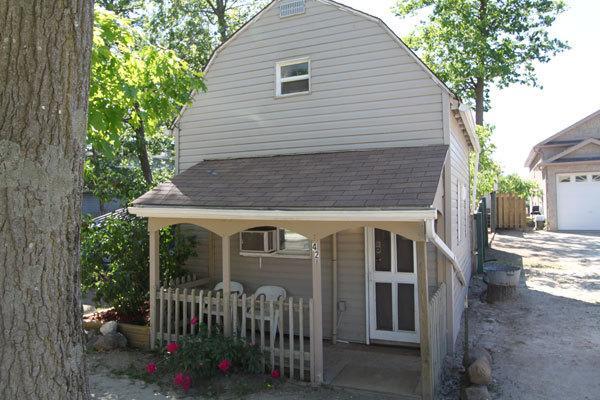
[545, 343]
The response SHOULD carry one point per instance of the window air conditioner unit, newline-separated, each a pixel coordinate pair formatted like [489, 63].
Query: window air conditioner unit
[259, 240]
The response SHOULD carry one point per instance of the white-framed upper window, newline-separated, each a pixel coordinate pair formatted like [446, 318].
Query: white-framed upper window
[292, 77]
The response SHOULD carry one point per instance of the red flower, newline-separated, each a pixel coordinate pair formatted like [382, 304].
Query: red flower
[194, 321]
[151, 368]
[178, 379]
[172, 347]
[183, 380]
[224, 365]
[187, 382]
[275, 374]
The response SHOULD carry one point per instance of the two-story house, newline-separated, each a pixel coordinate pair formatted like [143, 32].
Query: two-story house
[567, 165]
[324, 162]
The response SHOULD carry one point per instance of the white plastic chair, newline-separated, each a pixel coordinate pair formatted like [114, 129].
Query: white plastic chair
[234, 287]
[270, 293]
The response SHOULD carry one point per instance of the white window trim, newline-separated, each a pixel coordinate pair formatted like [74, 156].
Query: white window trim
[279, 80]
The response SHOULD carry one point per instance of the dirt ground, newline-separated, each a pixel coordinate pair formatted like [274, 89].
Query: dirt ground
[545, 343]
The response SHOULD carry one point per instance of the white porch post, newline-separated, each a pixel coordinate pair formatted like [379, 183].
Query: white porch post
[225, 249]
[317, 325]
[154, 236]
[422, 284]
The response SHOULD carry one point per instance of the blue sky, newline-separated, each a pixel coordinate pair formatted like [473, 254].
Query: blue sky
[571, 82]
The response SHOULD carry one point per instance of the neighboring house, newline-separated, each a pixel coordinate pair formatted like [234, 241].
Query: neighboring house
[343, 161]
[92, 206]
[567, 165]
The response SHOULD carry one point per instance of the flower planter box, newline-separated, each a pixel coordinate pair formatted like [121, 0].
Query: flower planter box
[138, 336]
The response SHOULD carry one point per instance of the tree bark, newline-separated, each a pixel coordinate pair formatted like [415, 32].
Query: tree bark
[44, 77]
[219, 9]
[479, 100]
[142, 148]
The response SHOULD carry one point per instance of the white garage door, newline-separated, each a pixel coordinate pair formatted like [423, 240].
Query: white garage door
[578, 201]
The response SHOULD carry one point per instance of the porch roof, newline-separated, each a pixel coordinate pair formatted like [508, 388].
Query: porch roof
[393, 178]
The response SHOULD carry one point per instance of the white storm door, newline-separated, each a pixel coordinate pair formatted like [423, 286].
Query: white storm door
[393, 308]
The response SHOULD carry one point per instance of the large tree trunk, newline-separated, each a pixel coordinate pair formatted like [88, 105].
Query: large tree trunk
[141, 147]
[44, 77]
[479, 100]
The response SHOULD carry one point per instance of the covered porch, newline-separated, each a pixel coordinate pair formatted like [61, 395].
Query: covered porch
[292, 330]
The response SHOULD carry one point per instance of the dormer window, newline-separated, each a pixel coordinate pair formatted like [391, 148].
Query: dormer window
[292, 77]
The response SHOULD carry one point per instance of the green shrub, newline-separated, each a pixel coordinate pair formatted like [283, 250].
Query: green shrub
[114, 259]
[203, 356]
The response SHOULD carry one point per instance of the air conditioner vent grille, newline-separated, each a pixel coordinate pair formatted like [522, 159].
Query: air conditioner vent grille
[288, 8]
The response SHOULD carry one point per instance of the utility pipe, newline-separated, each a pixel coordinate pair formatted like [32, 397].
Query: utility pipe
[439, 243]
[335, 288]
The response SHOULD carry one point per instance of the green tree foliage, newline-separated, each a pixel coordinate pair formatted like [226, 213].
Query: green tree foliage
[488, 169]
[194, 28]
[472, 44]
[522, 187]
[114, 259]
[137, 89]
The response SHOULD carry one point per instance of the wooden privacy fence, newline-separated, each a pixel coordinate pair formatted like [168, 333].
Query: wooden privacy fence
[437, 332]
[282, 329]
[511, 212]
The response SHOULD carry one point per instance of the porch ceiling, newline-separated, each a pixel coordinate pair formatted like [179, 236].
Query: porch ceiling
[392, 179]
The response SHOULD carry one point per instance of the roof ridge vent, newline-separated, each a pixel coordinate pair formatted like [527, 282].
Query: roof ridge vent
[287, 8]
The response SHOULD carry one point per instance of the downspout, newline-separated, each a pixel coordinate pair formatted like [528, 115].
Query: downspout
[439, 243]
[335, 289]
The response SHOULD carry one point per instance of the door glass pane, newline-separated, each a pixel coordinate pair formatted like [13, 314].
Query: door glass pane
[405, 257]
[383, 303]
[383, 256]
[406, 307]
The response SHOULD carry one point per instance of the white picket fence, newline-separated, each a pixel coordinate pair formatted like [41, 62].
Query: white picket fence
[288, 347]
[437, 333]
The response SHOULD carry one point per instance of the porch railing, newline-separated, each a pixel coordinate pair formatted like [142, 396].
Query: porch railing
[437, 332]
[188, 281]
[282, 329]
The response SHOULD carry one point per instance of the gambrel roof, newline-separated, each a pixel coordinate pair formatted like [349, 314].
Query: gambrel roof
[460, 110]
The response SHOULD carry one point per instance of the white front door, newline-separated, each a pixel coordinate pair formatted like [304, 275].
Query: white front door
[578, 201]
[392, 282]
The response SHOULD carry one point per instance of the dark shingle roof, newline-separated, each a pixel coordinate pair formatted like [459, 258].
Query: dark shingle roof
[401, 177]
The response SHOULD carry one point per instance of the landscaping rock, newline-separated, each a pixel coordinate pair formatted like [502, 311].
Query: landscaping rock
[109, 327]
[88, 308]
[479, 352]
[91, 337]
[110, 341]
[475, 393]
[480, 372]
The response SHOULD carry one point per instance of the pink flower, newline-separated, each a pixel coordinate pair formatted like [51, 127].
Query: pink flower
[194, 321]
[187, 382]
[178, 379]
[275, 374]
[183, 380]
[172, 347]
[224, 365]
[151, 368]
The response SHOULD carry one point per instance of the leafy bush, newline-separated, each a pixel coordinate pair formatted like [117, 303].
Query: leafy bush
[205, 355]
[522, 187]
[114, 259]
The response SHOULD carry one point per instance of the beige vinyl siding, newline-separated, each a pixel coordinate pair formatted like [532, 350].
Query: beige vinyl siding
[366, 91]
[199, 262]
[459, 156]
